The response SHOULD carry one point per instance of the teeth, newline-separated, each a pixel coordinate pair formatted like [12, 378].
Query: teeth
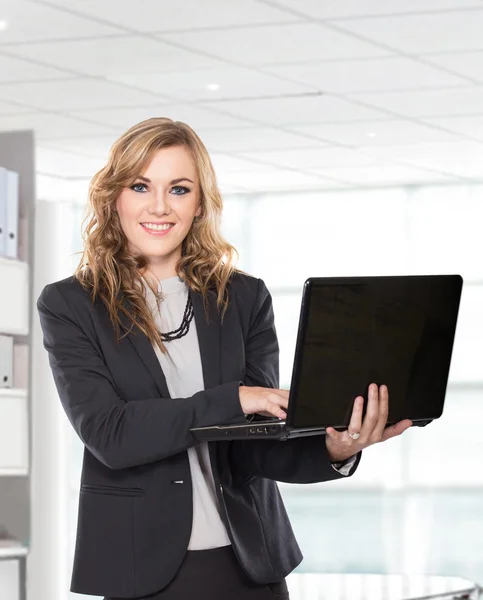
[157, 227]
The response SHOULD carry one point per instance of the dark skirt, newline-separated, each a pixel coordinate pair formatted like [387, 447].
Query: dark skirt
[215, 575]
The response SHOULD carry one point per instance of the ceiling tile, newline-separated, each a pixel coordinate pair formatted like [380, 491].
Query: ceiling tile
[383, 175]
[11, 109]
[194, 116]
[253, 139]
[464, 159]
[351, 8]
[311, 158]
[468, 64]
[226, 163]
[65, 164]
[92, 146]
[438, 102]
[16, 69]
[277, 44]
[217, 141]
[378, 133]
[156, 15]
[468, 126]
[32, 22]
[51, 126]
[274, 180]
[234, 83]
[73, 94]
[114, 56]
[312, 108]
[367, 75]
[414, 34]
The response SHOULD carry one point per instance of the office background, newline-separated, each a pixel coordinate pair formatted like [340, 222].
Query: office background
[347, 138]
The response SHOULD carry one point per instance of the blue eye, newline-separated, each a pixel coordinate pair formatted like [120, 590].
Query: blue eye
[180, 187]
[138, 185]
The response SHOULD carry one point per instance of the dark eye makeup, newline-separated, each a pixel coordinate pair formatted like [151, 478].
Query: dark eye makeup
[184, 191]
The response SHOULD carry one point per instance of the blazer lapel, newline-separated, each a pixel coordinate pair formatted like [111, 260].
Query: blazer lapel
[208, 333]
[208, 337]
[146, 352]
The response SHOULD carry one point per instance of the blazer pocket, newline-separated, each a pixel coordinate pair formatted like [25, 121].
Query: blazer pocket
[113, 490]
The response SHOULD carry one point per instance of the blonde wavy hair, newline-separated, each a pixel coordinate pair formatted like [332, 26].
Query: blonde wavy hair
[108, 269]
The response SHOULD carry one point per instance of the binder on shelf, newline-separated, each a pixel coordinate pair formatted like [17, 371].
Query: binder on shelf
[6, 361]
[3, 211]
[12, 214]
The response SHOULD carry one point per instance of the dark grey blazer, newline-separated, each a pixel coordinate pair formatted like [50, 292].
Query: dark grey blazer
[135, 505]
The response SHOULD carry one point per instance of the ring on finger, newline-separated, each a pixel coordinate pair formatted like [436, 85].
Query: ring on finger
[354, 436]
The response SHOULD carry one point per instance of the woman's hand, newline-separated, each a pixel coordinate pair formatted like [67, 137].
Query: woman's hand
[263, 401]
[340, 444]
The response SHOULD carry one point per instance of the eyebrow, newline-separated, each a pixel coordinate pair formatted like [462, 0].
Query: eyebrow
[174, 182]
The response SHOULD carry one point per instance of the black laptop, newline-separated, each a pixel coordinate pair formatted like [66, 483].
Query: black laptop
[354, 331]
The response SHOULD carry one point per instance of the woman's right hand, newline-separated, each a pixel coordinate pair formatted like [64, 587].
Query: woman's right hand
[268, 402]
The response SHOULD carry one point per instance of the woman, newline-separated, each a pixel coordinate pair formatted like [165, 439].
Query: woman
[155, 333]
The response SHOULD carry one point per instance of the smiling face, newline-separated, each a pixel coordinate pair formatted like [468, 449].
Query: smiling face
[157, 211]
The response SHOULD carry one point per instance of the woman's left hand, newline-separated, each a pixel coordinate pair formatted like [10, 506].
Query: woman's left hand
[341, 446]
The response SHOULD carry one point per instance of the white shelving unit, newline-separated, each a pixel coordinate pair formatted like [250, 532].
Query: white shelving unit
[17, 154]
[14, 431]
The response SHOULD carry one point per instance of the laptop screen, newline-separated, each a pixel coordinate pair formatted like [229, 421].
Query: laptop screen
[396, 331]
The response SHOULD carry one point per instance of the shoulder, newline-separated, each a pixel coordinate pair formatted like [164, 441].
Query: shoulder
[242, 283]
[68, 290]
[249, 290]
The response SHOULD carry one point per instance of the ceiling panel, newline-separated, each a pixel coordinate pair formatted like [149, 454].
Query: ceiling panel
[368, 75]
[32, 22]
[275, 179]
[469, 64]
[468, 126]
[312, 158]
[384, 175]
[65, 164]
[234, 83]
[17, 69]
[458, 158]
[312, 108]
[92, 146]
[165, 15]
[254, 139]
[353, 8]
[51, 126]
[438, 102]
[73, 94]
[11, 109]
[437, 32]
[226, 163]
[113, 56]
[378, 133]
[194, 116]
[277, 44]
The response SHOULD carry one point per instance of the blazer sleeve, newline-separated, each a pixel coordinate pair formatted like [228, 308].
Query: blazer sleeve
[298, 460]
[121, 433]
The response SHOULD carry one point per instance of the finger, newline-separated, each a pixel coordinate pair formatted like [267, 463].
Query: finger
[273, 408]
[396, 429]
[383, 413]
[372, 413]
[279, 398]
[334, 434]
[355, 424]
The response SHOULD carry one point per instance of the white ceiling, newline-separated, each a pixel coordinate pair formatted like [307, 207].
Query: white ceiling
[312, 94]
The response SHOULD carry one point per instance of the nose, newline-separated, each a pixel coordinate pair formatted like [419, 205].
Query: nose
[159, 202]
